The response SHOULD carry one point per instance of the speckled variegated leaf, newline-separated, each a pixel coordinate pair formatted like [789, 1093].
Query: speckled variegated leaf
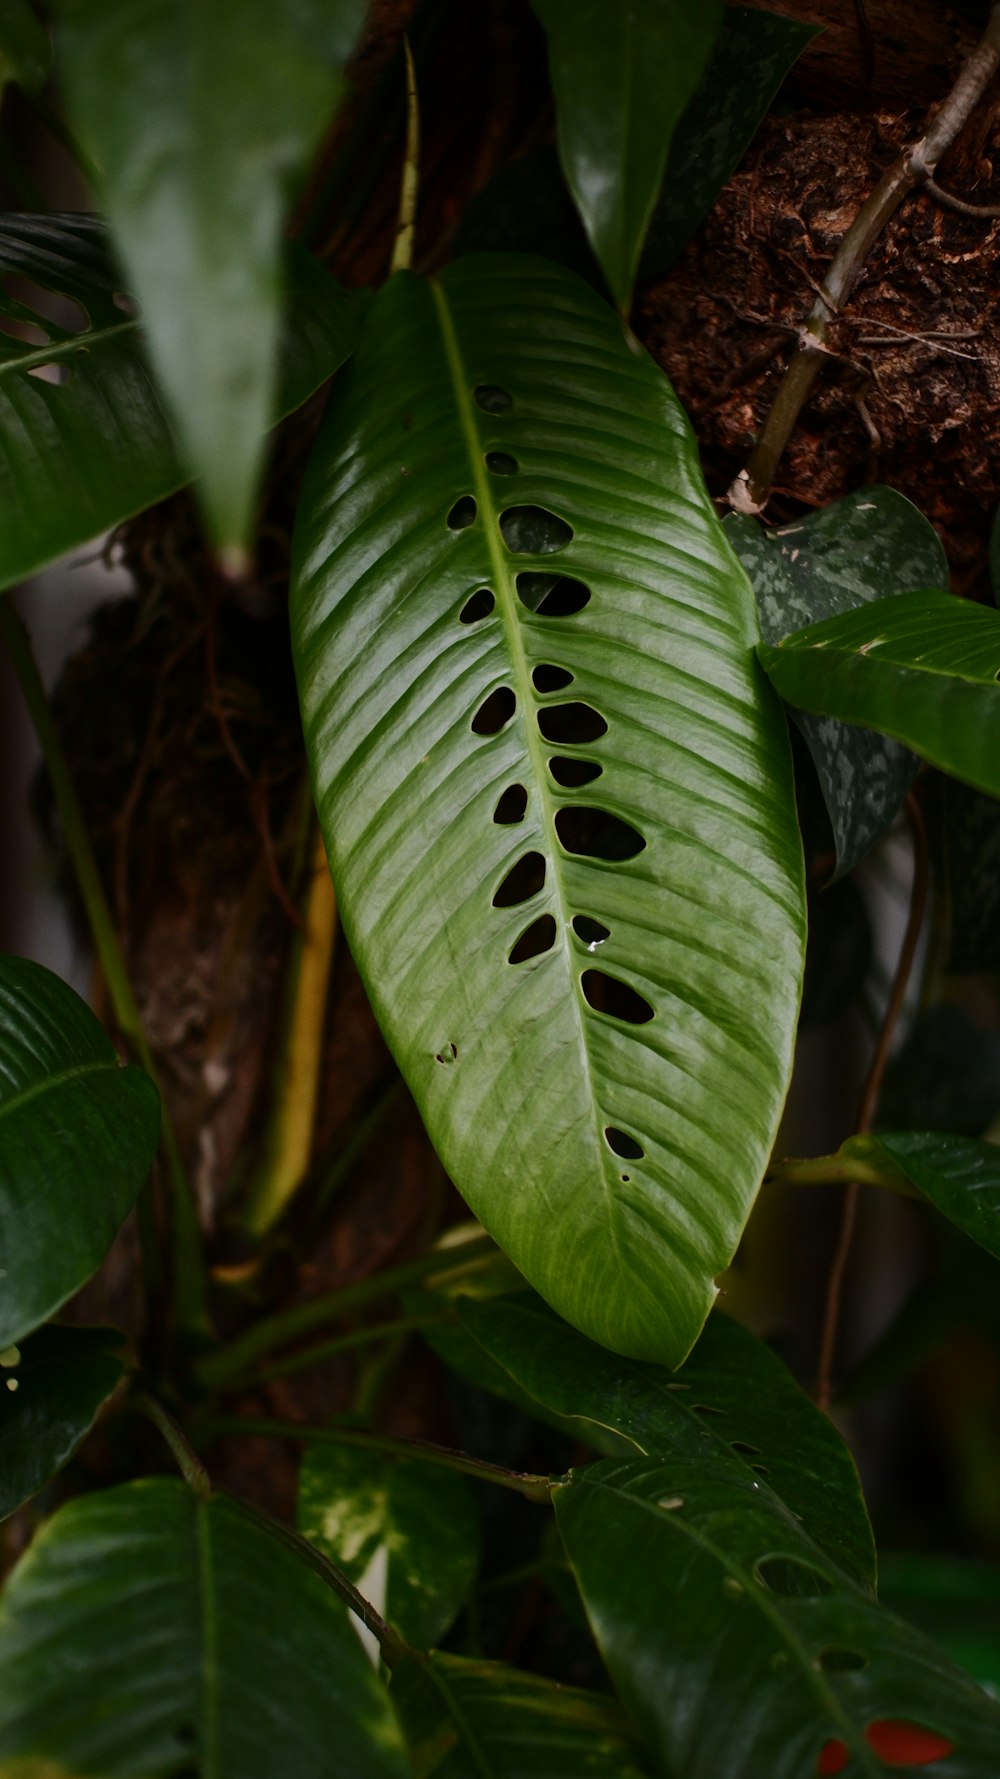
[51, 1388]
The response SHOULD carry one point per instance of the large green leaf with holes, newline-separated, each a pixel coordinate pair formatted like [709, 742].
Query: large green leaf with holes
[77, 1138]
[555, 795]
[84, 440]
[149, 1632]
[200, 118]
[51, 1389]
[921, 666]
[739, 1649]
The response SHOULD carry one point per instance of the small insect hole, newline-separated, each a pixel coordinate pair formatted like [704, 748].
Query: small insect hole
[571, 774]
[478, 605]
[463, 513]
[841, 1661]
[535, 940]
[620, 1143]
[511, 806]
[760, 1469]
[533, 531]
[494, 712]
[606, 994]
[569, 725]
[501, 463]
[492, 399]
[547, 678]
[551, 595]
[596, 834]
[592, 932]
[745, 1451]
[706, 1408]
[522, 881]
[832, 1759]
[56, 374]
[791, 1578]
[127, 304]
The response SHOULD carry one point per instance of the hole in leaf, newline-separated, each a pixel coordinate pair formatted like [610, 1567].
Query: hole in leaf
[906, 1744]
[478, 605]
[760, 1469]
[792, 1578]
[50, 313]
[522, 881]
[745, 1451]
[596, 834]
[833, 1758]
[546, 678]
[501, 463]
[706, 1408]
[57, 374]
[491, 399]
[448, 1055]
[607, 995]
[536, 939]
[512, 805]
[571, 774]
[127, 304]
[494, 712]
[533, 531]
[463, 513]
[841, 1661]
[570, 724]
[552, 595]
[592, 932]
[620, 1143]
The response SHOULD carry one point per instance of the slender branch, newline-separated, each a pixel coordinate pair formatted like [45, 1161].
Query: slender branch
[821, 1170]
[869, 1101]
[406, 228]
[520, 1482]
[913, 166]
[189, 1465]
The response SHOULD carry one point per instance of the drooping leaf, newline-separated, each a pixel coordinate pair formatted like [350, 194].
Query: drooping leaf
[732, 1395]
[84, 441]
[960, 1175]
[77, 1138]
[622, 76]
[556, 804]
[201, 118]
[147, 1631]
[49, 1396]
[952, 1600]
[858, 549]
[738, 1648]
[481, 1720]
[355, 1504]
[25, 50]
[921, 666]
[966, 827]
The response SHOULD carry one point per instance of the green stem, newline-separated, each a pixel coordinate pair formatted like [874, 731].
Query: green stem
[341, 1343]
[193, 1472]
[189, 1271]
[520, 1482]
[822, 1170]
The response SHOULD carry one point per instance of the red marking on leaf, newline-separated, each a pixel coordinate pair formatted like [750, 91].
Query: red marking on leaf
[906, 1744]
[833, 1758]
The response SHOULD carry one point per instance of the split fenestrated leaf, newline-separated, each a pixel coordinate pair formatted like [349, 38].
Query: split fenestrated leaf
[854, 551]
[201, 119]
[960, 1175]
[146, 1631]
[921, 666]
[84, 441]
[77, 1138]
[481, 1720]
[61, 1378]
[556, 802]
[732, 1395]
[25, 50]
[738, 1648]
[622, 75]
[354, 1504]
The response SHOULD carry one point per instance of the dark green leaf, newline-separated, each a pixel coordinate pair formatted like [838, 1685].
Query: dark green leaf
[77, 1139]
[848, 554]
[360, 1506]
[967, 828]
[752, 54]
[922, 667]
[52, 1392]
[622, 76]
[480, 1720]
[148, 1632]
[82, 452]
[737, 1647]
[607, 1105]
[955, 1602]
[201, 118]
[960, 1175]
[732, 1395]
[25, 50]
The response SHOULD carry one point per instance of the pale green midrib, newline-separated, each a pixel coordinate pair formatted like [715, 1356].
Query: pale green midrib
[459, 1717]
[209, 1719]
[503, 574]
[66, 348]
[844, 656]
[53, 1082]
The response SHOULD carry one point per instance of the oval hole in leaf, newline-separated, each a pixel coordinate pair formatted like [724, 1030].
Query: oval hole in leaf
[906, 1744]
[536, 939]
[548, 678]
[760, 1470]
[551, 596]
[127, 304]
[596, 834]
[792, 1578]
[571, 774]
[478, 605]
[833, 1758]
[56, 374]
[745, 1451]
[706, 1408]
[463, 513]
[534, 531]
[606, 994]
[522, 881]
[512, 805]
[571, 724]
[492, 399]
[501, 463]
[620, 1143]
[835, 1660]
[495, 712]
[592, 932]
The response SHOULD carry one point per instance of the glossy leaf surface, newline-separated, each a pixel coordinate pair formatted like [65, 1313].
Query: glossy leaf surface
[960, 1175]
[61, 1378]
[77, 1138]
[84, 441]
[862, 548]
[555, 798]
[201, 118]
[622, 76]
[922, 667]
[732, 1395]
[738, 1648]
[355, 1505]
[146, 1631]
[25, 51]
[482, 1720]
